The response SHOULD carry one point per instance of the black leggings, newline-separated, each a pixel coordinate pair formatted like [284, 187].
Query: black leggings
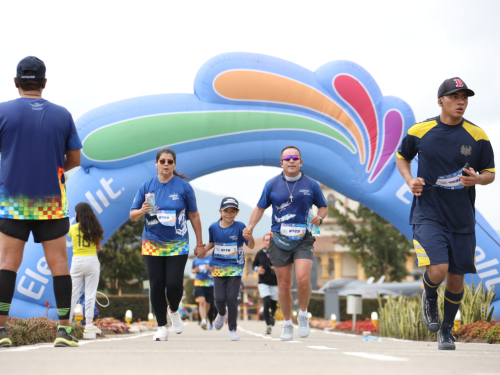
[269, 304]
[165, 273]
[226, 290]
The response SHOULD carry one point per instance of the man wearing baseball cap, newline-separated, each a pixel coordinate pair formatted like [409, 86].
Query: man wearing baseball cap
[39, 142]
[454, 155]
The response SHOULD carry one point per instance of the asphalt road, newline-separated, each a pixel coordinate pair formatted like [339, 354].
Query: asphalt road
[210, 352]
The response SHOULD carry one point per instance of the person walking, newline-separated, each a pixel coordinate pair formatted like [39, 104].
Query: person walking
[165, 241]
[454, 155]
[291, 195]
[38, 144]
[203, 286]
[268, 283]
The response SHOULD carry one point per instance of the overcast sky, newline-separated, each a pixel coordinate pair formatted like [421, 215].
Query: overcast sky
[98, 52]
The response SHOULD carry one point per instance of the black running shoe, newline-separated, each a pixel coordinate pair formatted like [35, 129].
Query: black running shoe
[65, 338]
[430, 313]
[4, 338]
[446, 341]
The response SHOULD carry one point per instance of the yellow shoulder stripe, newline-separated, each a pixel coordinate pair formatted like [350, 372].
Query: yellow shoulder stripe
[398, 155]
[492, 170]
[476, 132]
[420, 129]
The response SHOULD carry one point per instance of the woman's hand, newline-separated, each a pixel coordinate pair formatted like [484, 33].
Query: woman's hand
[146, 207]
[200, 251]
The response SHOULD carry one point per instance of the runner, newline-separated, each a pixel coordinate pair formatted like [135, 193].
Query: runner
[450, 150]
[292, 195]
[39, 142]
[268, 283]
[203, 286]
[227, 236]
[165, 240]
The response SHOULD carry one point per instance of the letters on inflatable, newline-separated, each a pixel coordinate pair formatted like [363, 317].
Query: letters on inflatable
[245, 109]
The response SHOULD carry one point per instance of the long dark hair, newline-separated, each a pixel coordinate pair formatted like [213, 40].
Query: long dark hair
[171, 152]
[89, 223]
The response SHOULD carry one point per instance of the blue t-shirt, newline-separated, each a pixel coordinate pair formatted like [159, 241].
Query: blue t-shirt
[166, 232]
[203, 277]
[34, 137]
[442, 152]
[227, 256]
[306, 192]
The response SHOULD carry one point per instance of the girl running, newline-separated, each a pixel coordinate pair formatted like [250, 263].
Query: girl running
[227, 237]
[86, 235]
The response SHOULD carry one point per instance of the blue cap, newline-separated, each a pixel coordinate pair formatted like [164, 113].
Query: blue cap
[229, 202]
[31, 63]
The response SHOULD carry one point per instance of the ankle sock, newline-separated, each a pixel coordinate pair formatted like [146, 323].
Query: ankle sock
[288, 322]
[7, 287]
[302, 313]
[430, 287]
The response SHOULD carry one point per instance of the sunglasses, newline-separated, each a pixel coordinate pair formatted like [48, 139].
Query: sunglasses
[169, 161]
[291, 157]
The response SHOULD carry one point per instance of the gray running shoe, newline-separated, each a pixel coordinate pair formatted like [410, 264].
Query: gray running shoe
[304, 329]
[4, 338]
[268, 330]
[430, 313]
[233, 336]
[287, 333]
[446, 341]
[219, 321]
[204, 326]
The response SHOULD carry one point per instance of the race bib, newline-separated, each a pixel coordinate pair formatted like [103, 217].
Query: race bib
[166, 218]
[226, 250]
[293, 231]
[450, 182]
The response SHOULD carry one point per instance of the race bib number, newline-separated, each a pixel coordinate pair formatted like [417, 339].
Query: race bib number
[293, 231]
[450, 182]
[226, 250]
[166, 218]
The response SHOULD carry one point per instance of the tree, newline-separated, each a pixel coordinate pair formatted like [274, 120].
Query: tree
[374, 243]
[121, 260]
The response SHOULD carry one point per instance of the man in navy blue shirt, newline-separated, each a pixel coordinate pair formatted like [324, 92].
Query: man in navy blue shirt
[454, 155]
[291, 195]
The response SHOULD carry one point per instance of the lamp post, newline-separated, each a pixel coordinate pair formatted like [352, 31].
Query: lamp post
[375, 318]
[78, 312]
[458, 320]
[333, 318]
[150, 318]
[128, 317]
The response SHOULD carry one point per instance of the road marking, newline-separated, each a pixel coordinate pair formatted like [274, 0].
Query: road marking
[377, 357]
[321, 347]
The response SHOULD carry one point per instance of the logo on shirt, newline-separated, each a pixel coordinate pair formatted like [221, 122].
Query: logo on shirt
[234, 238]
[174, 197]
[282, 207]
[36, 106]
[466, 150]
[284, 218]
[305, 191]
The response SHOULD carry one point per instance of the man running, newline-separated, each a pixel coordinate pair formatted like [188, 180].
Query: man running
[39, 142]
[292, 195]
[451, 150]
[268, 283]
[203, 286]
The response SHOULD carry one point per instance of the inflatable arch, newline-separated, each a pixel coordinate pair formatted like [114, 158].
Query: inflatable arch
[244, 110]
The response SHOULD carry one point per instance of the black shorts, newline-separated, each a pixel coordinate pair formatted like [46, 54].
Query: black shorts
[43, 230]
[204, 291]
[282, 258]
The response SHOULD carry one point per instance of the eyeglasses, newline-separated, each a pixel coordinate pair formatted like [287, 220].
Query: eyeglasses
[169, 161]
[291, 157]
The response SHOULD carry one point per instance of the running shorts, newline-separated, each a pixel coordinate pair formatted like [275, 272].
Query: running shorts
[282, 258]
[43, 230]
[268, 291]
[204, 291]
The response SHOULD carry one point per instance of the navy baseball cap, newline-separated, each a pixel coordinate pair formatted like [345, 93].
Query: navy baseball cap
[229, 202]
[31, 63]
[451, 85]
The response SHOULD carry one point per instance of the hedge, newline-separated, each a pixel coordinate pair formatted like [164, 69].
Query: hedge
[139, 305]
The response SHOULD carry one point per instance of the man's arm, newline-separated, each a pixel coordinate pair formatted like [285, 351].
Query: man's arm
[72, 159]
[473, 178]
[255, 218]
[416, 185]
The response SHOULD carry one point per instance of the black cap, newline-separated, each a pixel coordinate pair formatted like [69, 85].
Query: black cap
[31, 63]
[451, 85]
[229, 202]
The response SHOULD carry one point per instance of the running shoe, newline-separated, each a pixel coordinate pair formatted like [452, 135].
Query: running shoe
[177, 324]
[304, 329]
[219, 322]
[210, 327]
[204, 326]
[65, 337]
[446, 341]
[233, 336]
[4, 338]
[268, 330]
[287, 333]
[161, 335]
[430, 313]
[91, 328]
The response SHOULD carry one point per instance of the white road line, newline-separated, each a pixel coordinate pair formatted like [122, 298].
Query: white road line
[377, 357]
[321, 347]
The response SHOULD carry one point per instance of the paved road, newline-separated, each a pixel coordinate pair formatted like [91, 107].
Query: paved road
[210, 352]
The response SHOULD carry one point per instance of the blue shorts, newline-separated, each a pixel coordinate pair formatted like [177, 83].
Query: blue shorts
[434, 245]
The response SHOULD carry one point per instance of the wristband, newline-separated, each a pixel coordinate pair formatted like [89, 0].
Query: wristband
[255, 269]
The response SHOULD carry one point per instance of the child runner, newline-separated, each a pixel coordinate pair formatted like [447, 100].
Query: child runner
[86, 235]
[203, 286]
[226, 237]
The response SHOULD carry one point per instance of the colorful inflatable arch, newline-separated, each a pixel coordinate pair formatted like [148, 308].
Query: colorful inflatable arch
[245, 109]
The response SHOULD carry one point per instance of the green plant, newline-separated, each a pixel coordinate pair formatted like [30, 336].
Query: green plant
[36, 330]
[476, 303]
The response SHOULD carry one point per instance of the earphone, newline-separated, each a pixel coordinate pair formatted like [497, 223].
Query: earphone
[440, 102]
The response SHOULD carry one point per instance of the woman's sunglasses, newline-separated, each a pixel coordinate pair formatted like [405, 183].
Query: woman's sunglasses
[291, 157]
[169, 161]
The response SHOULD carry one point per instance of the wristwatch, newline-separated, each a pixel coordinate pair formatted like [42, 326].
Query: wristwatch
[320, 220]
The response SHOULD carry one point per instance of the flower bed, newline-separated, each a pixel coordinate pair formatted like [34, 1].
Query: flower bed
[361, 326]
[36, 330]
[489, 332]
[111, 325]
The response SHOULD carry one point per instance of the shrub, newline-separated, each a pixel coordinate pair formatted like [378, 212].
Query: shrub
[361, 327]
[36, 330]
[119, 305]
[479, 330]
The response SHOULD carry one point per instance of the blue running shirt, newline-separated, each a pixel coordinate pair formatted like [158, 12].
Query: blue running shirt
[227, 255]
[34, 137]
[203, 277]
[166, 232]
[442, 152]
[286, 211]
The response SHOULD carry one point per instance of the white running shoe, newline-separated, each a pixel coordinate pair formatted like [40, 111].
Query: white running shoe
[304, 329]
[91, 328]
[233, 336]
[219, 321]
[204, 326]
[161, 335]
[287, 333]
[177, 324]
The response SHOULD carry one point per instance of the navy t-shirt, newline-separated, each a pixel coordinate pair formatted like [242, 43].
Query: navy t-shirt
[443, 150]
[34, 137]
[227, 256]
[166, 232]
[203, 277]
[305, 191]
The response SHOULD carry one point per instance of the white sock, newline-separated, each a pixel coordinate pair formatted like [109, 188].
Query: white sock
[288, 322]
[203, 321]
[89, 322]
[302, 313]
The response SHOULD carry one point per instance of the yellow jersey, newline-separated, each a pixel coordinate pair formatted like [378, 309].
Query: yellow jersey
[81, 248]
